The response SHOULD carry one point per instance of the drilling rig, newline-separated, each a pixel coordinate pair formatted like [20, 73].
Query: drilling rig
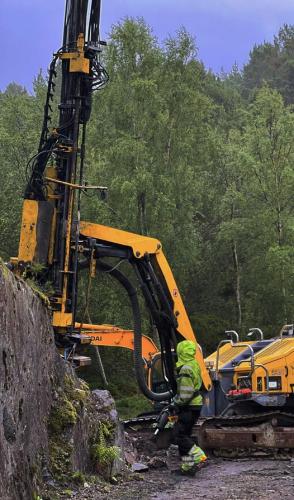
[55, 244]
[248, 384]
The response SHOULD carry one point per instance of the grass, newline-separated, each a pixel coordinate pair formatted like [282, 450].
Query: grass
[133, 405]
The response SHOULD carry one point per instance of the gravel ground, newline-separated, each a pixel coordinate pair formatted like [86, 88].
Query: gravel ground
[244, 479]
[221, 479]
[239, 480]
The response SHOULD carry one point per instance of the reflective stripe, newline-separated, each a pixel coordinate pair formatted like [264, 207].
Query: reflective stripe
[194, 448]
[188, 368]
[185, 374]
[186, 391]
[188, 461]
[186, 467]
[188, 385]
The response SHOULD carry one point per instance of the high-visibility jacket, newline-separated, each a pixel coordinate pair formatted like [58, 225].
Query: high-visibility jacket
[189, 378]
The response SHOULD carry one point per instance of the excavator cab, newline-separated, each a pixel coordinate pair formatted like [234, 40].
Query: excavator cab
[156, 376]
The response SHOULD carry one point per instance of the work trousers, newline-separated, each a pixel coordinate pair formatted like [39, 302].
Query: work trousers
[182, 430]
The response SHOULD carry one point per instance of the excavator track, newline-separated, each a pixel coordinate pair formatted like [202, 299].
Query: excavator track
[265, 434]
[142, 420]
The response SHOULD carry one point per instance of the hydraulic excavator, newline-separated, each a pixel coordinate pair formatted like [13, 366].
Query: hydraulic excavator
[247, 383]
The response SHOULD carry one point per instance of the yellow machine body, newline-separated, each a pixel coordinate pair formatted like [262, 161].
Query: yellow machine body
[36, 241]
[78, 63]
[273, 368]
[227, 353]
[113, 336]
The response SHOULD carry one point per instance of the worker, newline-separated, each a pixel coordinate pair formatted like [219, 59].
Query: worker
[188, 404]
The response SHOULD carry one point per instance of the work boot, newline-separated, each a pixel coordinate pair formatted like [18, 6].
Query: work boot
[188, 466]
[191, 471]
[198, 455]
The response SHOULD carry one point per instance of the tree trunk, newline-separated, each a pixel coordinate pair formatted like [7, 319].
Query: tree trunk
[237, 285]
[142, 213]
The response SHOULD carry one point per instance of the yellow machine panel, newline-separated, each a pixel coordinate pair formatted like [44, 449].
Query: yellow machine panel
[139, 244]
[28, 236]
[227, 353]
[78, 62]
[36, 231]
[278, 349]
[274, 363]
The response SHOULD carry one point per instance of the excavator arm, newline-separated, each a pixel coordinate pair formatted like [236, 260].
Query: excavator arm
[113, 336]
[158, 286]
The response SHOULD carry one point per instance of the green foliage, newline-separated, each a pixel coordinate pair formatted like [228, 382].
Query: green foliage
[272, 63]
[78, 477]
[103, 453]
[20, 122]
[135, 404]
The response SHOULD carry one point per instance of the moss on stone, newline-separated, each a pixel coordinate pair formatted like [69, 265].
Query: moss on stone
[4, 268]
[77, 395]
[78, 477]
[63, 414]
[37, 289]
[70, 400]
[70, 385]
[84, 386]
[80, 395]
[71, 395]
[60, 461]
[68, 492]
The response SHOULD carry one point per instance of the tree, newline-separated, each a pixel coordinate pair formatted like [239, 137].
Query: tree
[269, 139]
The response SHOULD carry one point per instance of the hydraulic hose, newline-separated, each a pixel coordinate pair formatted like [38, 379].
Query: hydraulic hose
[138, 365]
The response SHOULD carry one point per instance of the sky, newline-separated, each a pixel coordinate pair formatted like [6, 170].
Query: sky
[225, 30]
